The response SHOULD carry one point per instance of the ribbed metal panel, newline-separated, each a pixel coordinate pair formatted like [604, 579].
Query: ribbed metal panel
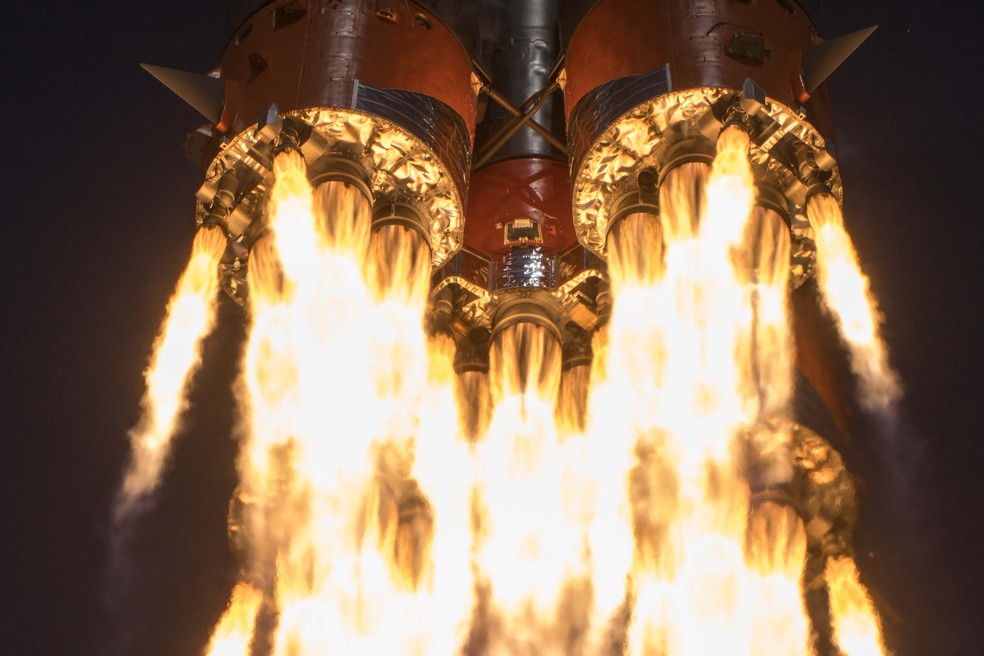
[603, 105]
[430, 120]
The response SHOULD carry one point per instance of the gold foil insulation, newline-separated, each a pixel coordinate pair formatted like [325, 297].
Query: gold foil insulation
[401, 168]
[642, 137]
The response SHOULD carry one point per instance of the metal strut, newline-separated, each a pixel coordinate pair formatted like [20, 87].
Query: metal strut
[523, 117]
[537, 127]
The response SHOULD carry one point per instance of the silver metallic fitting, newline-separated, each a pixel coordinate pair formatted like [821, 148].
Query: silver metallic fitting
[401, 214]
[539, 308]
[223, 201]
[524, 267]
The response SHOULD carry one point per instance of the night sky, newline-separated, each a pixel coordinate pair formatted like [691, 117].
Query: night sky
[98, 221]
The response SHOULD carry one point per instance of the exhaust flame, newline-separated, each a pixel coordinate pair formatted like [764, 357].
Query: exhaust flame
[852, 613]
[767, 349]
[530, 550]
[641, 505]
[776, 554]
[707, 574]
[174, 360]
[346, 503]
[234, 632]
[695, 417]
[849, 297]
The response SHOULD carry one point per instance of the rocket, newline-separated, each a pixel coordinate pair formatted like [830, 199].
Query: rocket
[492, 129]
[515, 137]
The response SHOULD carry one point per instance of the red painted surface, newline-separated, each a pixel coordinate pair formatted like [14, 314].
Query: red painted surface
[533, 188]
[311, 59]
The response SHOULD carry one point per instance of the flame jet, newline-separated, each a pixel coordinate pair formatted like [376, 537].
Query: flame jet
[331, 500]
[848, 295]
[345, 505]
[689, 503]
[234, 633]
[530, 549]
[647, 113]
[175, 358]
[852, 613]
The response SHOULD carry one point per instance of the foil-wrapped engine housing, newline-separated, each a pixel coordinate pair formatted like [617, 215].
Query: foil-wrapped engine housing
[402, 168]
[645, 136]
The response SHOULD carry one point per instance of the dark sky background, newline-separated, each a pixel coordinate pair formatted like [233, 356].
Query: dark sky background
[98, 220]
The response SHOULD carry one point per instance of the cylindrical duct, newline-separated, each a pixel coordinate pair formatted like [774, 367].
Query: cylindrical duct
[523, 55]
[536, 308]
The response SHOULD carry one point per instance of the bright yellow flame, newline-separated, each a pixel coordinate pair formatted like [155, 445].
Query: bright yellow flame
[851, 611]
[572, 398]
[530, 550]
[354, 481]
[767, 349]
[234, 633]
[848, 295]
[776, 553]
[680, 388]
[175, 358]
[380, 521]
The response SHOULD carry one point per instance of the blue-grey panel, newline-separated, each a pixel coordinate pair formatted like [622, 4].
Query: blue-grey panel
[430, 120]
[600, 107]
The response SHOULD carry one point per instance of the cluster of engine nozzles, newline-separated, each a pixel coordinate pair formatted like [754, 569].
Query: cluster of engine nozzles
[327, 167]
[789, 172]
[322, 78]
[405, 135]
[384, 99]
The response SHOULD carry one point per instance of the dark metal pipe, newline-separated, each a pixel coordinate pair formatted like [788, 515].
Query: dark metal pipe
[402, 214]
[539, 309]
[223, 201]
[341, 169]
[472, 353]
[292, 135]
[524, 51]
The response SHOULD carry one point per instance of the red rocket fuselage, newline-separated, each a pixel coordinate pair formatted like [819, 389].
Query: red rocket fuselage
[313, 56]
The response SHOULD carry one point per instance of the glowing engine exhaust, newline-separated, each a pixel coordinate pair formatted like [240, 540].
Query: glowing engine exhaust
[520, 371]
